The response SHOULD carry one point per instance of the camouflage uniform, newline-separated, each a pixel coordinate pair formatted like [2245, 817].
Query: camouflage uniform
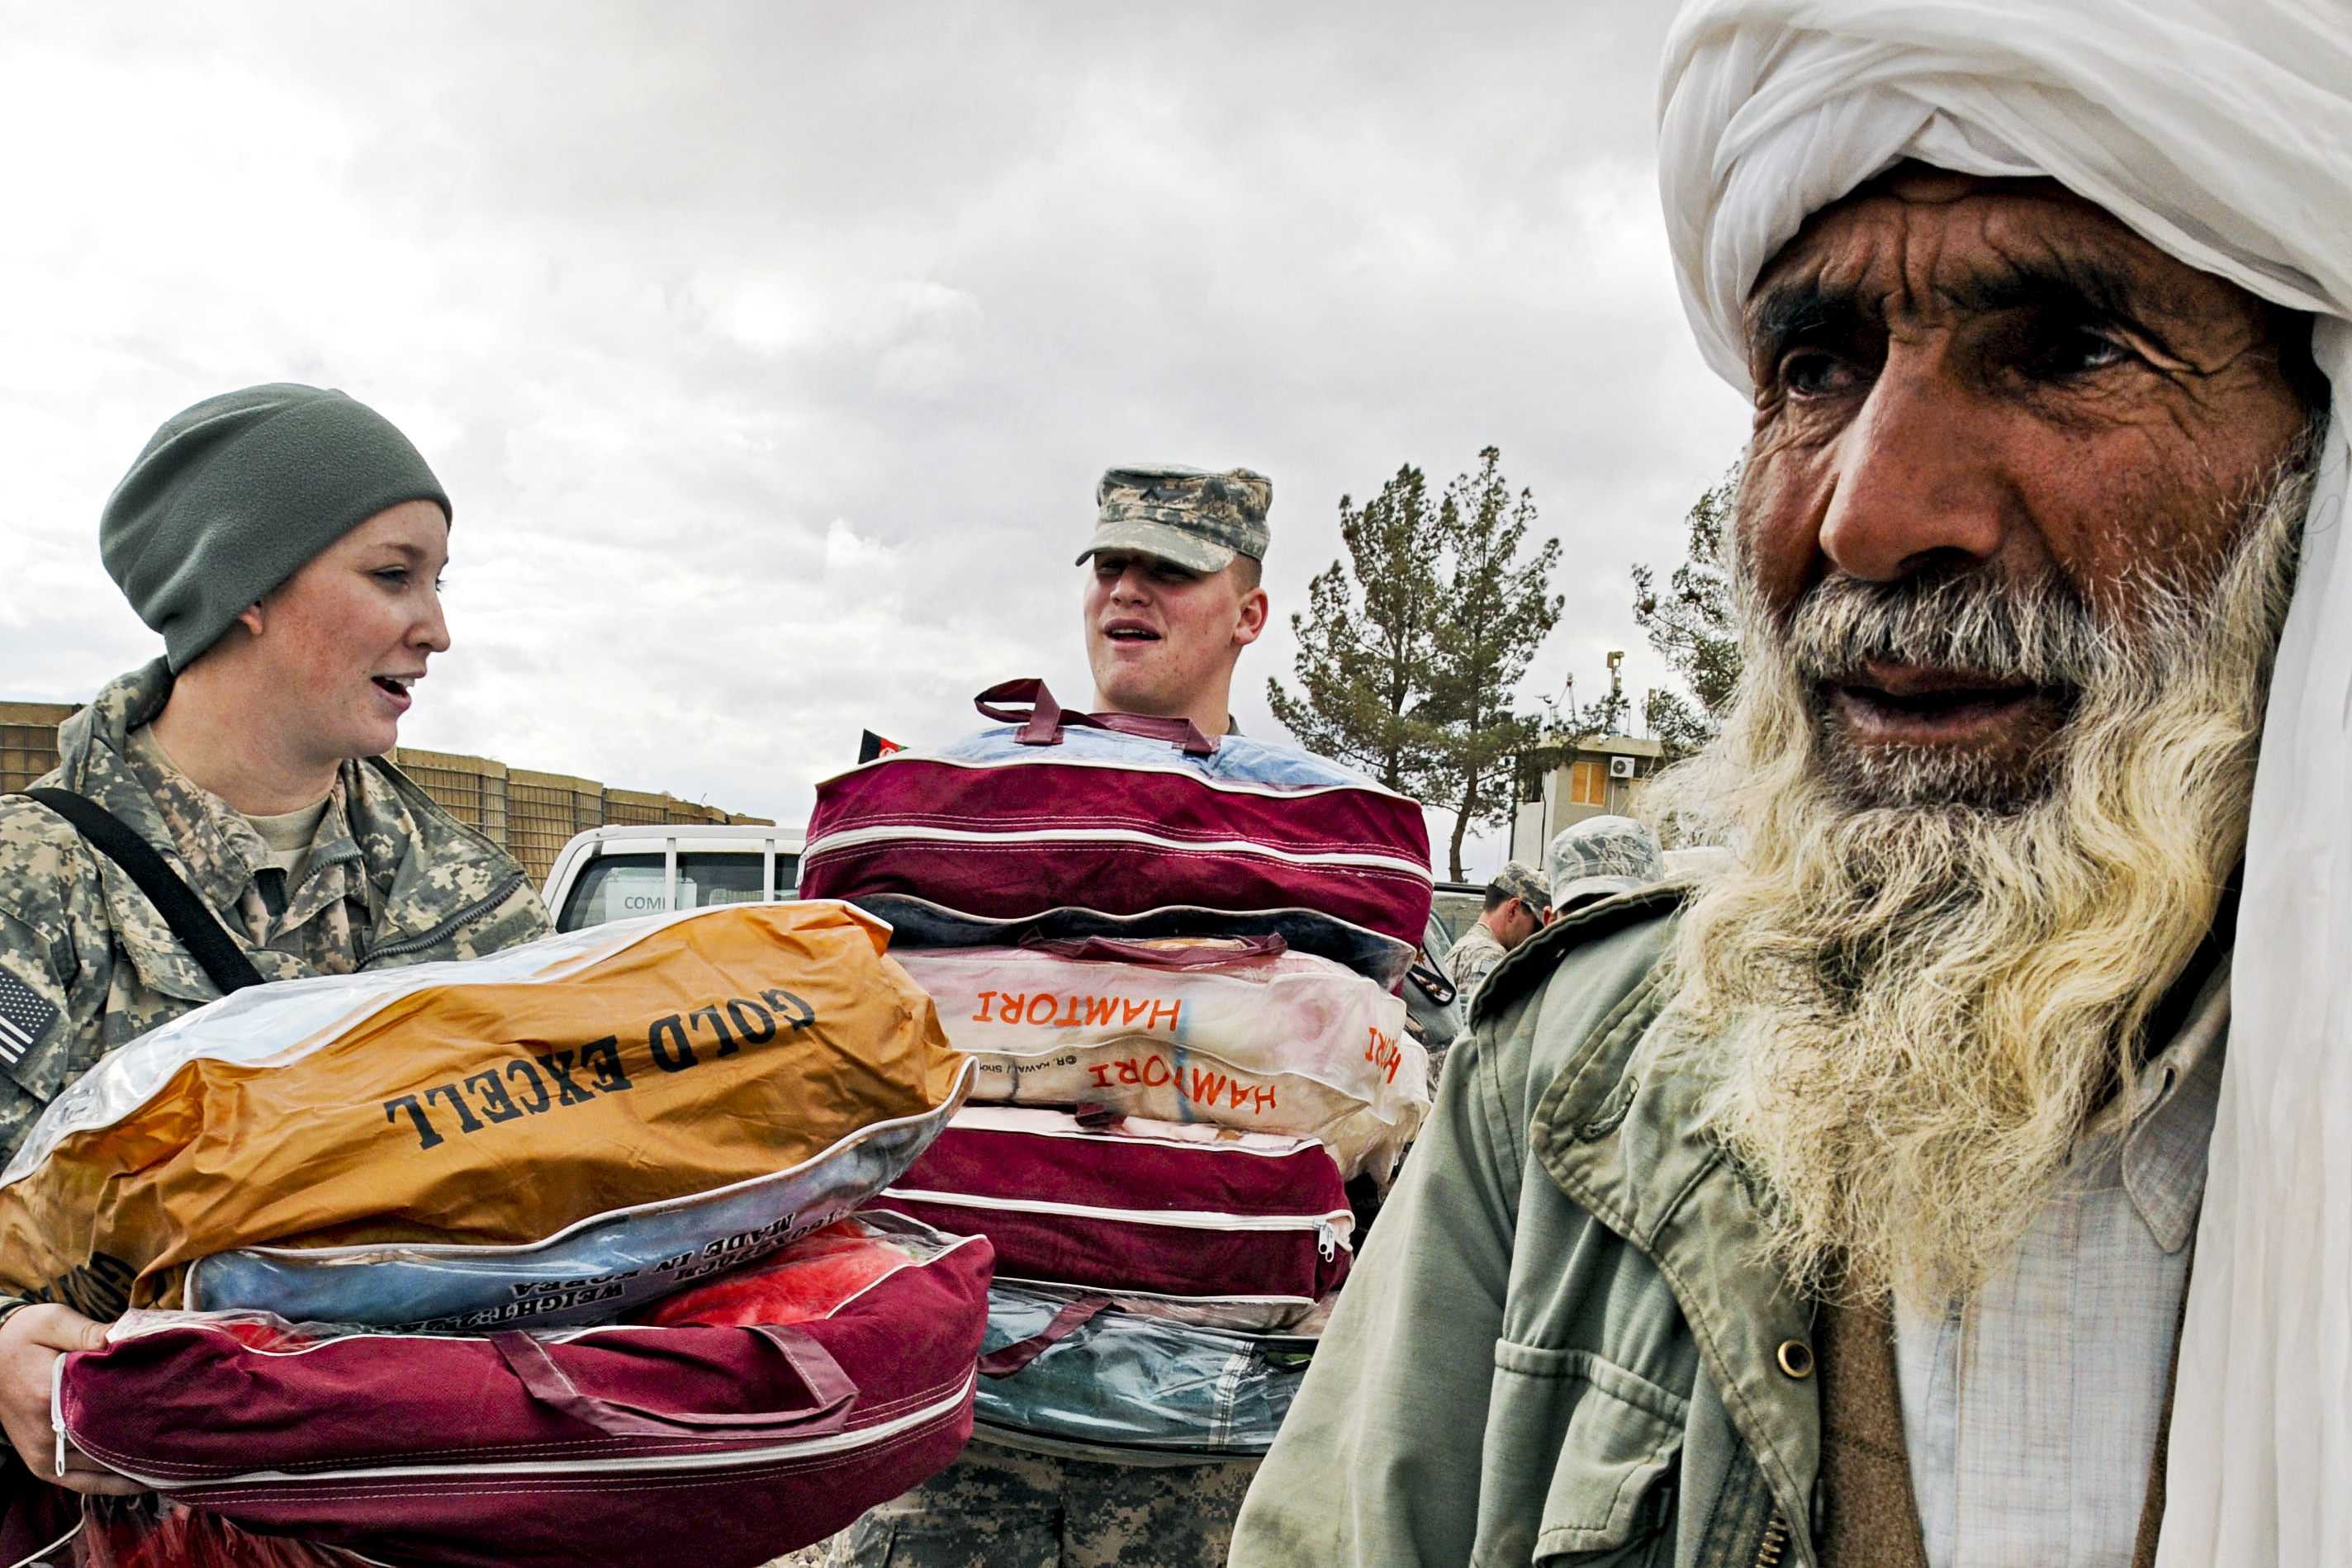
[87, 961]
[1468, 960]
[1002, 1507]
[1466, 965]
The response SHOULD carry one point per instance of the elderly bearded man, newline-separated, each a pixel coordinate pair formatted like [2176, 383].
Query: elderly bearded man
[1838, 1209]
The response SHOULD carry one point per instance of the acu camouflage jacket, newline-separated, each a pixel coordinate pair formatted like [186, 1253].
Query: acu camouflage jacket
[86, 962]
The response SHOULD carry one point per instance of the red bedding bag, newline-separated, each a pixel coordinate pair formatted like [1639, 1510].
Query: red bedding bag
[614, 1446]
[1105, 819]
[1205, 1225]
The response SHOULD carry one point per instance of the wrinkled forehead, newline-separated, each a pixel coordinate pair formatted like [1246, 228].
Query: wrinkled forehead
[1921, 247]
[1926, 244]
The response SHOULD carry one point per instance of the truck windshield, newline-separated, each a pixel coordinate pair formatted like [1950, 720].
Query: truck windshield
[616, 888]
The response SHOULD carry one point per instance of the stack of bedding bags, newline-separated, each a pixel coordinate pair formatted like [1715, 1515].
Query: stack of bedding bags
[1173, 963]
[484, 1262]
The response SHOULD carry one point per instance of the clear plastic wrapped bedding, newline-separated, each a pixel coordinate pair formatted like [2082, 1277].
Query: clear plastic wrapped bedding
[1126, 1384]
[1231, 1032]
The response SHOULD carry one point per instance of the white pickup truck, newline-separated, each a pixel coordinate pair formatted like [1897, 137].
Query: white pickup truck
[614, 872]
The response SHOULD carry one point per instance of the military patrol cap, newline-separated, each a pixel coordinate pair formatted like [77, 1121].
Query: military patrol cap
[1599, 856]
[1521, 880]
[235, 495]
[1198, 519]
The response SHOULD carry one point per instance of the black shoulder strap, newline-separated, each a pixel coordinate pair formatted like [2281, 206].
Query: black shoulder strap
[197, 927]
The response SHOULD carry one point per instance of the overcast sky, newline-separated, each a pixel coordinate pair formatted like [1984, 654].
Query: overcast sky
[771, 352]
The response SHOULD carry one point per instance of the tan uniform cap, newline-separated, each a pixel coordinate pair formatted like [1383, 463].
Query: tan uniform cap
[1198, 519]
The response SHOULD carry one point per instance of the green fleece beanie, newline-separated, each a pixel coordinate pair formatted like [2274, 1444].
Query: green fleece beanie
[235, 495]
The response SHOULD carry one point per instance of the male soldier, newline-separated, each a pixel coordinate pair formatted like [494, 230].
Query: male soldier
[1839, 1209]
[1170, 603]
[287, 543]
[1174, 597]
[1516, 902]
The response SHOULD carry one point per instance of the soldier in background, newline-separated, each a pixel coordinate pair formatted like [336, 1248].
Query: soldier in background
[1519, 902]
[287, 543]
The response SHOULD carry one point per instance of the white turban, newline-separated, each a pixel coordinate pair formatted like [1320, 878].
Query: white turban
[2222, 133]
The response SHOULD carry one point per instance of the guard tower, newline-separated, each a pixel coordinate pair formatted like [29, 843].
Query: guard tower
[1600, 775]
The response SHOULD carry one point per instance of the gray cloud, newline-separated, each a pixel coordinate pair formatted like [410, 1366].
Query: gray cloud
[771, 350]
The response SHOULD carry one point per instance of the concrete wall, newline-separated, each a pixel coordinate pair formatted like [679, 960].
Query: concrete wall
[529, 815]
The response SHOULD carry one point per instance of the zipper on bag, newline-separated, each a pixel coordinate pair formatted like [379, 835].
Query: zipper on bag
[1327, 1231]
[57, 1409]
[689, 1459]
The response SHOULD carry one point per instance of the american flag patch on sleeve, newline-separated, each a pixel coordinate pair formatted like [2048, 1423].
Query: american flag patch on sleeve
[25, 1017]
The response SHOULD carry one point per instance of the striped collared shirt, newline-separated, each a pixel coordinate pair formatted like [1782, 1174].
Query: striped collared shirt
[2032, 1409]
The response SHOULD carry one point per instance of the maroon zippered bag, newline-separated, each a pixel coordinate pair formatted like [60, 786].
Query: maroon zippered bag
[627, 1447]
[1207, 1224]
[1102, 821]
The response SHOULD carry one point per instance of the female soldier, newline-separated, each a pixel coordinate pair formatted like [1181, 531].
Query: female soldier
[287, 544]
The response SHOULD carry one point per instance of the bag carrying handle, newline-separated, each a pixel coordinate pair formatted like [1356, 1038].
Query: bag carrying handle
[1044, 719]
[1022, 1352]
[831, 1387]
[197, 927]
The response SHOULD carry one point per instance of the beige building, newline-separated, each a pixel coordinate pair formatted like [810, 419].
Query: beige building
[529, 815]
[1602, 776]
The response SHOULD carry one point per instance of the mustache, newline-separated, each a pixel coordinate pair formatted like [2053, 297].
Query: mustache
[2039, 632]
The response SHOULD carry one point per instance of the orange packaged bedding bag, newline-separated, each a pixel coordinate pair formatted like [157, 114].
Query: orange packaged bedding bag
[553, 1132]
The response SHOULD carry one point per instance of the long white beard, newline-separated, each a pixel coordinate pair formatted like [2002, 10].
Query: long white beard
[1915, 984]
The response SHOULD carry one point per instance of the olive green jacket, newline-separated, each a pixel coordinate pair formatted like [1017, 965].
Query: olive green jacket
[1558, 1345]
[87, 963]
